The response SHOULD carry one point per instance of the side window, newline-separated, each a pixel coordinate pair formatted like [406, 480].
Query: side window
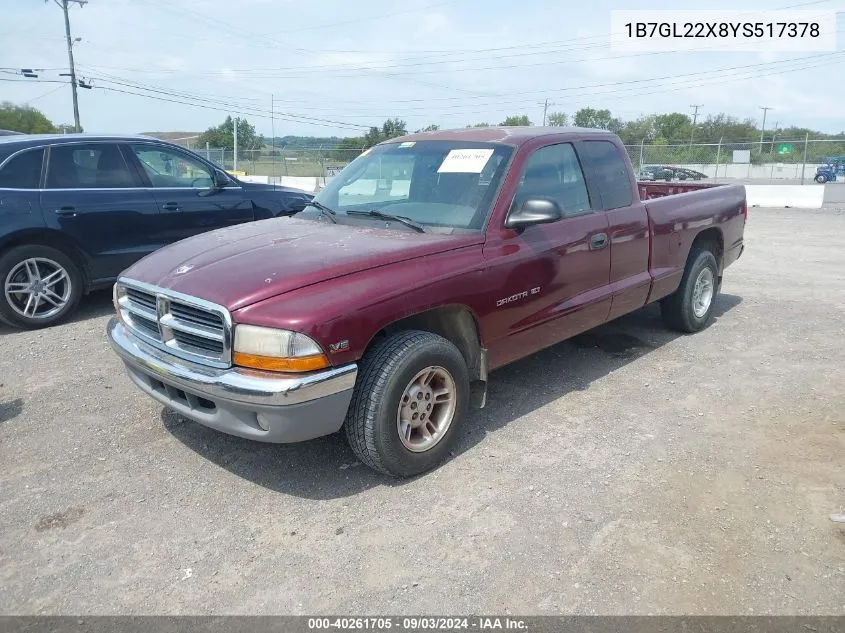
[554, 172]
[168, 168]
[611, 173]
[90, 166]
[23, 171]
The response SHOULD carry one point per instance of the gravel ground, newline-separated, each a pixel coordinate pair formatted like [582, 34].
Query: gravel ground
[630, 470]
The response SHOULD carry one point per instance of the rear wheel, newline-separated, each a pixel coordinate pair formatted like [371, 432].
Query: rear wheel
[821, 179]
[41, 286]
[690, 307]
[411, 394]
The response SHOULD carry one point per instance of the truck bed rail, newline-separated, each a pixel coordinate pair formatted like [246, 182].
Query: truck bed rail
[649, 190]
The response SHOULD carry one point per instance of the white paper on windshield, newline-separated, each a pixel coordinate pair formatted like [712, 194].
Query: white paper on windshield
[465, 161]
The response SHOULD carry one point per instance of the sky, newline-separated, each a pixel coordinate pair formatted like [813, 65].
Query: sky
[337, 67]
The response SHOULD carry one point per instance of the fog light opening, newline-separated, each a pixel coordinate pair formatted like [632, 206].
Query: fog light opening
[263, 422]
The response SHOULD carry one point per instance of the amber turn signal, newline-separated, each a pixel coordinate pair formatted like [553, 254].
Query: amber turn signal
[270, 363]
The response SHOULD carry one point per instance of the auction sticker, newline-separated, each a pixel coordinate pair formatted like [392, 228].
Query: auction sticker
[465, 161]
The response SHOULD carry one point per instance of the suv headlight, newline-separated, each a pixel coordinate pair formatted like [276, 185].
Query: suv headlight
[276, 350]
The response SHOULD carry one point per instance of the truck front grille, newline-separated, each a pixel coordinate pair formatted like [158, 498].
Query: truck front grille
[185, 326]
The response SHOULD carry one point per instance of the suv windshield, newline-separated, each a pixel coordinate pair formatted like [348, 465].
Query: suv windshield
[449, 184]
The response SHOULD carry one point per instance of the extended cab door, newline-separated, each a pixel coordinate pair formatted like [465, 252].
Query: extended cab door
[182, 186]
[551, 280]
[612, 188]
[92, 196]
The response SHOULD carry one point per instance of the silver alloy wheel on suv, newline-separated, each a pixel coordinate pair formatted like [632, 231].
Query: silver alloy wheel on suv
[38, 288]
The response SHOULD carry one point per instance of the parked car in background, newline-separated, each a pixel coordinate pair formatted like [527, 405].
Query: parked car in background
[682, 173]
[76, 209]
[668, 173]
[383, 309]
[653, 172]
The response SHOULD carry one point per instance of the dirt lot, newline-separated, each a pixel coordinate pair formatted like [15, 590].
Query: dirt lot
[629, 471]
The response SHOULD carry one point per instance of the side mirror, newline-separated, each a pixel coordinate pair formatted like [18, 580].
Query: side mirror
[533, 211]
[221, 179]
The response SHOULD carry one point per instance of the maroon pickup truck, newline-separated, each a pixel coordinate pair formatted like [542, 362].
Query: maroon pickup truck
[428, 262]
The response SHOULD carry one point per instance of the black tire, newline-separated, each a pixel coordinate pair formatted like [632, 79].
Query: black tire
[678, 308]
[11, 259]
[385, 371]
[821, 179]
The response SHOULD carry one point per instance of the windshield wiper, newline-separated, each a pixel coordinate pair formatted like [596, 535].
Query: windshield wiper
[388, 216]
[324, 210]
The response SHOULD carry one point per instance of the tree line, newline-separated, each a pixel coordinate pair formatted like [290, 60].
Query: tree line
[683, 141]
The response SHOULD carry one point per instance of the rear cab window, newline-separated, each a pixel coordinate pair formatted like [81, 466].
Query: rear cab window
[23, 170]
[610, 173]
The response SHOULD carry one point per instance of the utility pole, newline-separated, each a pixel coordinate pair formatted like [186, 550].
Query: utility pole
[545, 110]
[774, 134]
[64, 4]
[273, 132]
[765, 110]
[235, 143]
[694, 119]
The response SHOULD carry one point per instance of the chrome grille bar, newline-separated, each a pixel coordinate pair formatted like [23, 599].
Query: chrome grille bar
[188, 327]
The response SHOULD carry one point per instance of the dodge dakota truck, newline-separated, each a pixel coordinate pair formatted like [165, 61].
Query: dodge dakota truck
[428, 262]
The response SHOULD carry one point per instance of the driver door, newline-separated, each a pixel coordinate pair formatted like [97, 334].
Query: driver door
[181, 184]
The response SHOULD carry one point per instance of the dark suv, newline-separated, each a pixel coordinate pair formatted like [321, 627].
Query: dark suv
[77, 209]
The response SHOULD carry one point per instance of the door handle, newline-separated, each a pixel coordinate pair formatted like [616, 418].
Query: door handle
[598, 241]
[66, 212]
[171, 206]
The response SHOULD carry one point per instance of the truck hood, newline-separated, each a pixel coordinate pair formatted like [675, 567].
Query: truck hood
[238, 266]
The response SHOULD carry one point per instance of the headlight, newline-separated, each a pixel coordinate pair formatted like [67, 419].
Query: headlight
[276, 350]
[118, 292]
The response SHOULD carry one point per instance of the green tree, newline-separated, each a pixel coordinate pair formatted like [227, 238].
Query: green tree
[599, 119]
[24, 119]
[348, 148]
[479, 125]
[640, 130]
[674, 127]
[558, 119]
[223, 136]
[430, 128]
[389, 129]
[516, 120]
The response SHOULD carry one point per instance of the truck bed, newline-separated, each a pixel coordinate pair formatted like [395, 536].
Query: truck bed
[678, 214]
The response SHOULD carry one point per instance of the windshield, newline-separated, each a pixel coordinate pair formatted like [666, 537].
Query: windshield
[449, 184]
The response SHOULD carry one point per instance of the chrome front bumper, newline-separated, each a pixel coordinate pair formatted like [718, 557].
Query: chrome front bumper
[292, 407]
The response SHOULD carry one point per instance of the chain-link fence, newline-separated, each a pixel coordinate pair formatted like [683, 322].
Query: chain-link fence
[771, 160]
[317, 162]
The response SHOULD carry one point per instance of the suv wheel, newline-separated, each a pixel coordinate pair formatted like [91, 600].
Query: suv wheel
[41, 286]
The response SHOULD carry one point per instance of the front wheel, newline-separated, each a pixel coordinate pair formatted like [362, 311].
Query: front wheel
[41, 286]
[411, 394]
[690, 307]
[821, 179]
